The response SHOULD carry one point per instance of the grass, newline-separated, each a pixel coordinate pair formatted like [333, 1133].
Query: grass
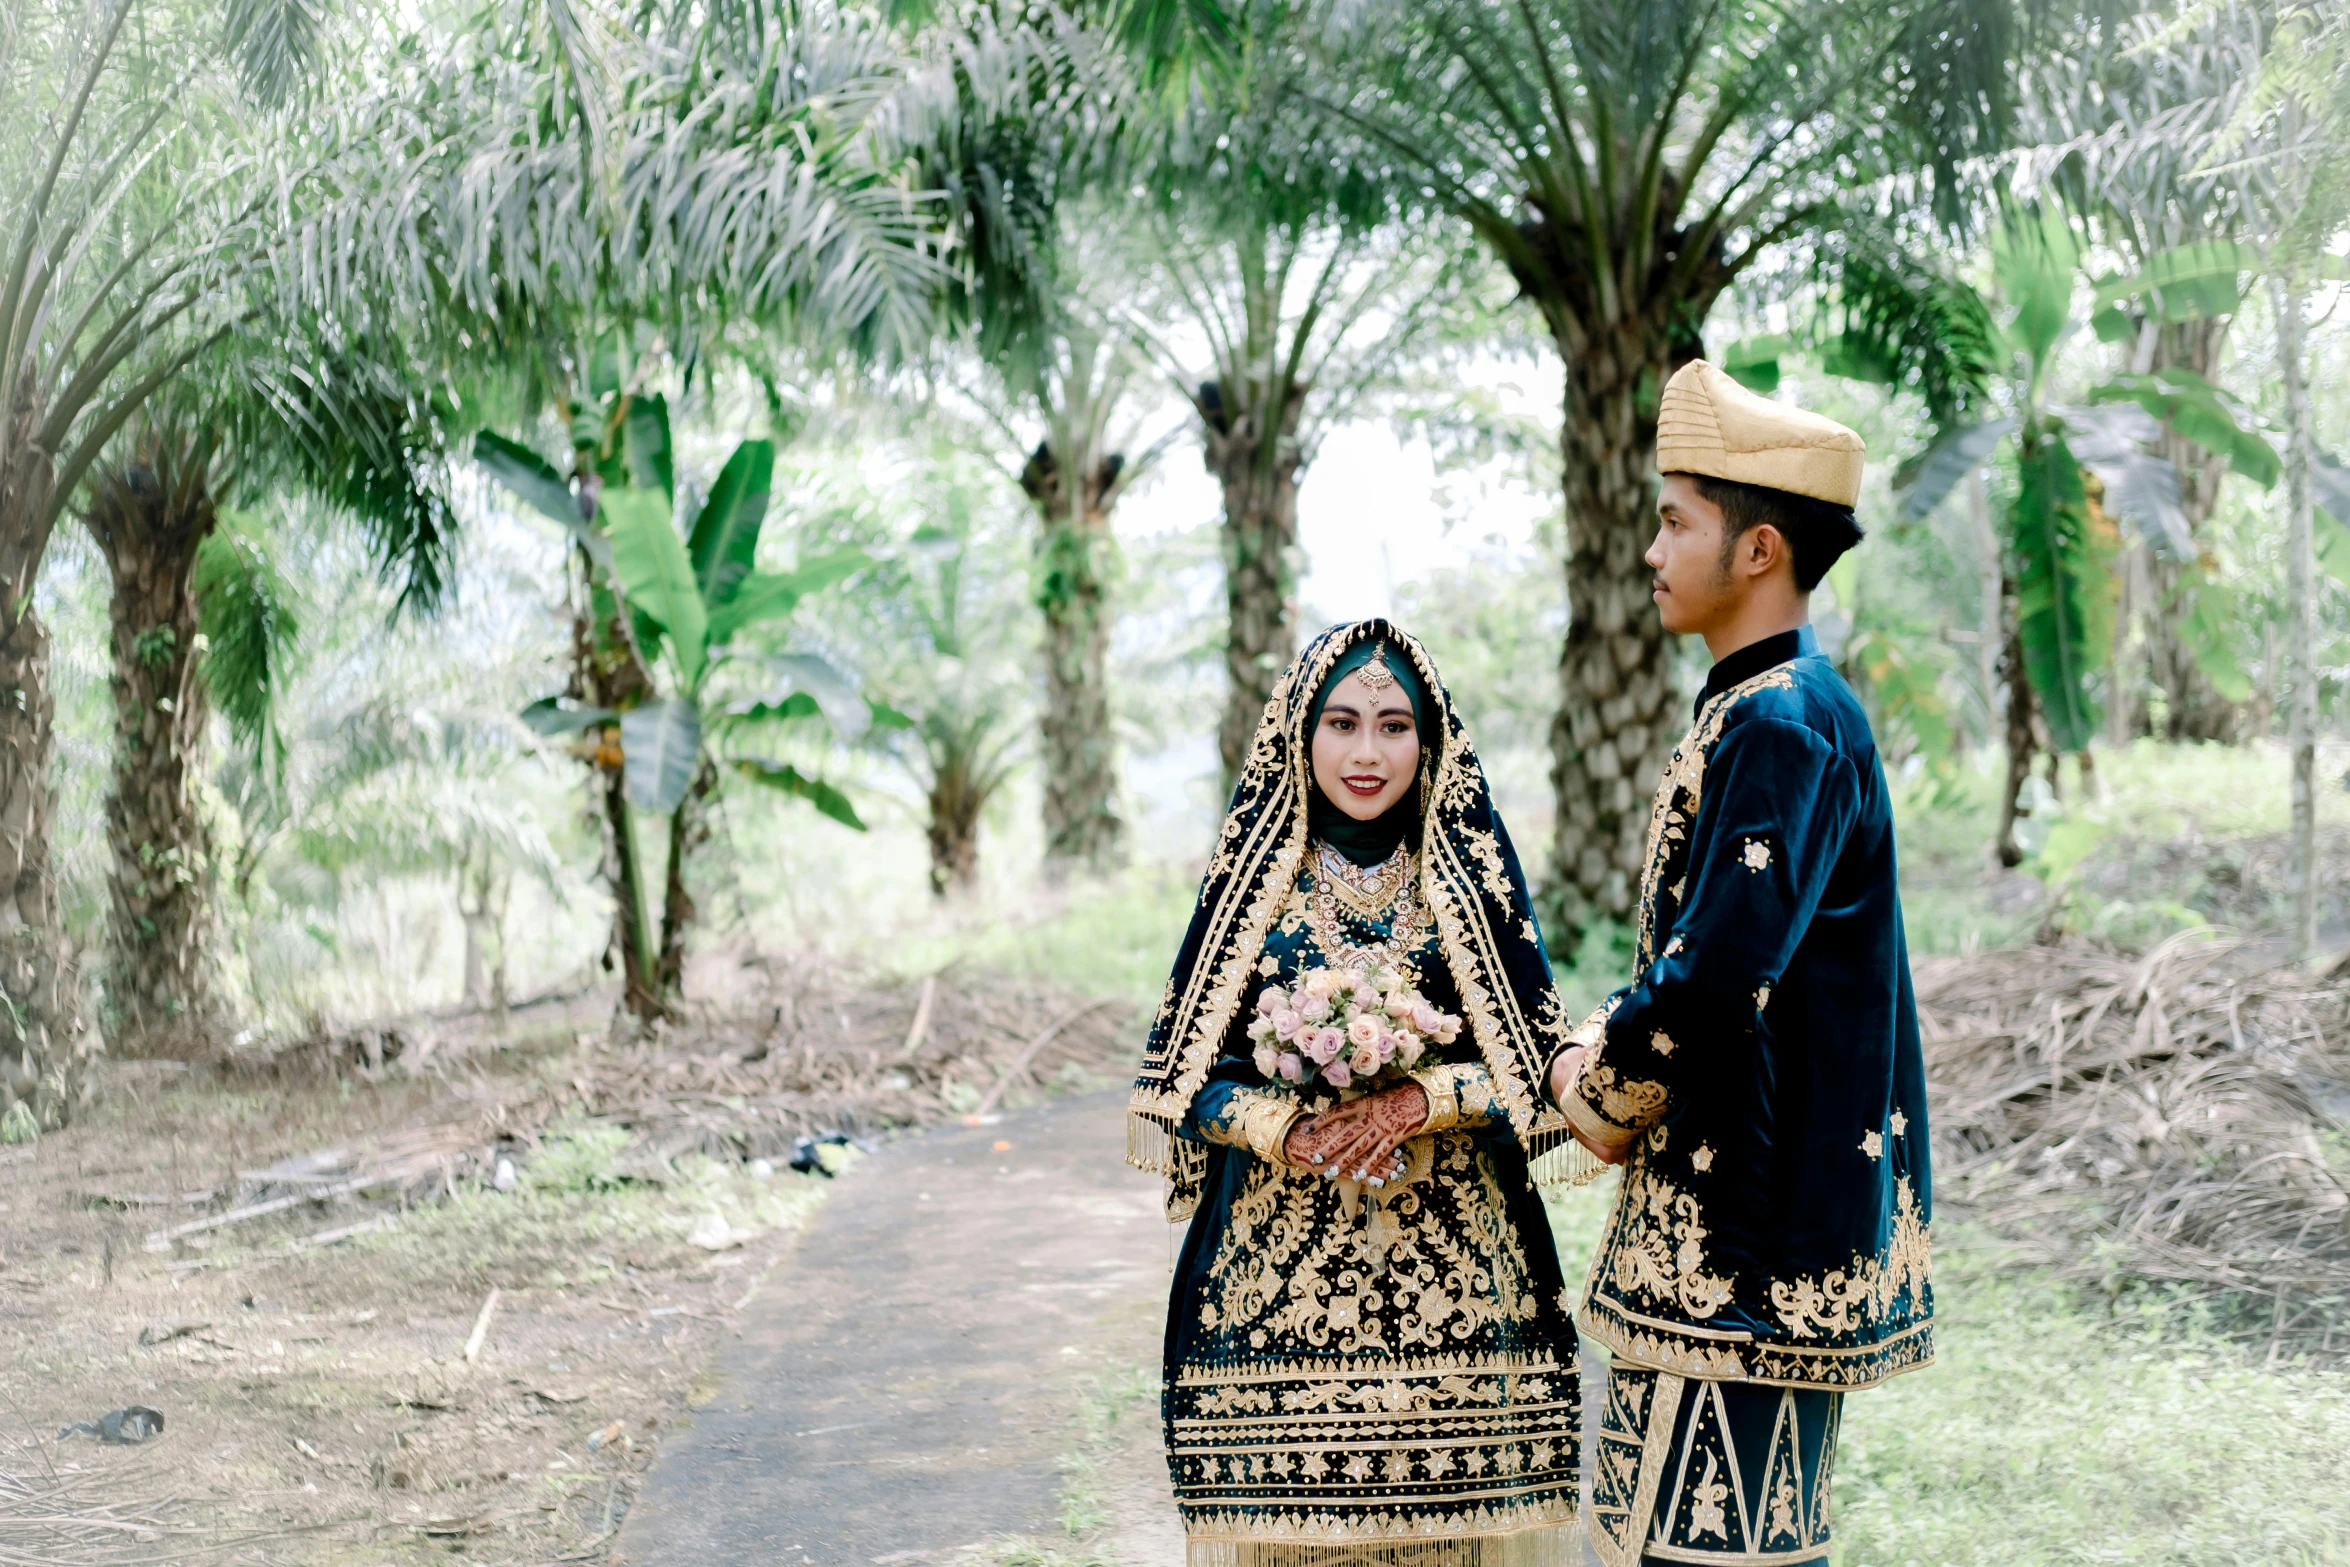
[2056, 1431]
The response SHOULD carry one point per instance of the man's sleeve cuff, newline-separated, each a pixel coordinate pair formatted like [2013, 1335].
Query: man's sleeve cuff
[1594, 1127]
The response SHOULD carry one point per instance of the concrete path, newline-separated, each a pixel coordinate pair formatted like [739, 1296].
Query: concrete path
[904, 1388]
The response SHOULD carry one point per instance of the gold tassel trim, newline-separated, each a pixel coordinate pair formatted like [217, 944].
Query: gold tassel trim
[1150, 1143]
[1556, 1545]
[1565, 1165]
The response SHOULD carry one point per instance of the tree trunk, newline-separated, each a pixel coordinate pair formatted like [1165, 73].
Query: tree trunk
[2300, 621]
[48, 1062]
[1075, 558]
[2021, 710]
[1617, 713]
[954, 839]
[149, 517]
[2194, 708]
[605, 672]
[1260, 561]
[482, 886]
[689, 829]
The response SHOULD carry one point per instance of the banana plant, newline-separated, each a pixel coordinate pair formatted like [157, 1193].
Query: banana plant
[2062, 544]
[682, 602]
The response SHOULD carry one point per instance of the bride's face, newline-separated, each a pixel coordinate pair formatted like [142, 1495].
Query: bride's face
[1366, 748]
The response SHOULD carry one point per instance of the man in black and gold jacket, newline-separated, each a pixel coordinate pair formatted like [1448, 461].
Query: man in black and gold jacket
[1760, 1081]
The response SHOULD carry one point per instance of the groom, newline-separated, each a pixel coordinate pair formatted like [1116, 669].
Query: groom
[1760, 1081]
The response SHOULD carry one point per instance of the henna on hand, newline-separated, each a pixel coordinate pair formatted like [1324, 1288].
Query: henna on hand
[1379, 1124]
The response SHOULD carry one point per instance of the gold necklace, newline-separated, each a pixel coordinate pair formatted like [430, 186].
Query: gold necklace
[1383, 891]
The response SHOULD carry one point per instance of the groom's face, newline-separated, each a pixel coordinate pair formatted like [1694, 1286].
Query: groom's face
[1691, 581]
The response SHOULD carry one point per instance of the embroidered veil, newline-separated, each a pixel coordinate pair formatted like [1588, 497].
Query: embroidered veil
[1469, 878]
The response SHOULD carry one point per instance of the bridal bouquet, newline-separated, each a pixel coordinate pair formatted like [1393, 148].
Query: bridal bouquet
[1351, 1028]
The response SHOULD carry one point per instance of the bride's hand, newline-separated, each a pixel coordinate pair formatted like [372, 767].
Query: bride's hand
[1358, 1139]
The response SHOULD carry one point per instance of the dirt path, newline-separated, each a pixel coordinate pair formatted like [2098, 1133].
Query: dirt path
[956, 1364]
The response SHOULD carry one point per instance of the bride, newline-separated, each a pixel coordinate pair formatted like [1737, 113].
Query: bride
[1368, 1354]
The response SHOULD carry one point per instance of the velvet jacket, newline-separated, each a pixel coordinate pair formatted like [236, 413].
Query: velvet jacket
[1764, 1066]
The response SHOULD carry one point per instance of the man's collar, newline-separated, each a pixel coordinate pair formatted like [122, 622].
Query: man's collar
[1751, 660]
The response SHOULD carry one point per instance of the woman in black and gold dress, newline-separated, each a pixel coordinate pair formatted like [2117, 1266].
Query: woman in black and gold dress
[1369, 1359]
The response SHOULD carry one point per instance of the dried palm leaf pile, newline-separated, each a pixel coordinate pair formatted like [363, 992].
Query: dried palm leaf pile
[796, 1053]
[817, 1051]
[2180, 1118]
[54, 1510]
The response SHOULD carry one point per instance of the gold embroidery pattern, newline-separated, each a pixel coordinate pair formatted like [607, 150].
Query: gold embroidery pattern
[1458, 1093]
[1658, 1244]
[1373, 1367]
[1677, 797]
[1870, 1290]
[1629, 1105]
[1651, 1268]
[1675, 1480]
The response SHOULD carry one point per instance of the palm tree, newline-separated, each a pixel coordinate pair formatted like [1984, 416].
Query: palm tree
[1026, 127]
[1307, 295]
[131, 223]
[1627, 160]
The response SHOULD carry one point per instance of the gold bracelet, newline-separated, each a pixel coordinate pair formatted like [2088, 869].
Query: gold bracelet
[1265, 1120]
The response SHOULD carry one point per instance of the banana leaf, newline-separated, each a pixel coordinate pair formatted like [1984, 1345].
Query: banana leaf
[724, 545]
[555, 716]
[2061, 584]
[661, 745]
[2141, 489]
[651, 562]
[790, 780]
[2204, 414]
[652, 464]
[535, 482]
[767, 595]
[2189, 283]
[1929, 478]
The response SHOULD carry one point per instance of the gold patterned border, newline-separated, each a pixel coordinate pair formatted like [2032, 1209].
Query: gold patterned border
[1677, 1352]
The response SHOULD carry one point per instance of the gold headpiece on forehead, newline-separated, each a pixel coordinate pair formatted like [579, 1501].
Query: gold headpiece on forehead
[1375, 675]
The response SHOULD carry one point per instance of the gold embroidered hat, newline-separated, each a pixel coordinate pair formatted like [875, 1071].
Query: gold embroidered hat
[1711, 425]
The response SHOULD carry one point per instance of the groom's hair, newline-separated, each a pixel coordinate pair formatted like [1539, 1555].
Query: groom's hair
[1817, 532]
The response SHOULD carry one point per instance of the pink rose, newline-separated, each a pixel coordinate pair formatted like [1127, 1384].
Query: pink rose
[1292, 1066]
[1269, 999]
[1448, 1031]
[1327, 1043]
[1399, 1004]
[1321, 982]
[1285, 1025]
[1268, 1059]
[1365, 1060]
[1363, 1031]
[1425, 1017]
[1409, 1050]
[1260, 1028]
[1314, 1008]
[1337, 1075]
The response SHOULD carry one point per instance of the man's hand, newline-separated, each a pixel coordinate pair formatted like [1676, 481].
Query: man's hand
[1568, 1066]
[1358, 1139]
